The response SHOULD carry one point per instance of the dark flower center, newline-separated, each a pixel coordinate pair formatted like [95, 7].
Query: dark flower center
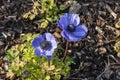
[71, 28]
[45, 45]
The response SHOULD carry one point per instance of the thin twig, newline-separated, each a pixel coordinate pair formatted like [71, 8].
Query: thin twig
[114, 58]
[69, 76]
[65, 53]
[111, 11]
[107, 67]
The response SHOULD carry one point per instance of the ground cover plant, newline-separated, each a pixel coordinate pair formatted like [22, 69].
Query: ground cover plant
[60, 40]
[28, 66]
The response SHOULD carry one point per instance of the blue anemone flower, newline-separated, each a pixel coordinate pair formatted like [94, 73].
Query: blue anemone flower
[72, 30]
[24, 71]
[44, 45]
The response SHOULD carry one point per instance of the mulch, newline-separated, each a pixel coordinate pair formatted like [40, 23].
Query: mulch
[94, 56]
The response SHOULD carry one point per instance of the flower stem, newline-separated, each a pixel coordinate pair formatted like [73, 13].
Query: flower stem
[65, 53]
[48, 62]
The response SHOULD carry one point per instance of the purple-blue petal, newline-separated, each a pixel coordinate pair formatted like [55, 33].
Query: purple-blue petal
[68, 19]
[81, 31]
[49, 52]
[36, 42]
[63, 22]
[73, 19]
[65, 36]
[73, 38]
[24, 71]
[54, 43]
[49, 36]
[76, 21]
[39, 53]
[70, 36]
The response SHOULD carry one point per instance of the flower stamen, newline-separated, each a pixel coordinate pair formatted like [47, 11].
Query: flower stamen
[71, 28]
[45, 45]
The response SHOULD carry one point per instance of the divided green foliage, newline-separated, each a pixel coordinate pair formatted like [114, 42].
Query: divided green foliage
[22, 58]
[46, 10]
[117, 48]
[117, 44]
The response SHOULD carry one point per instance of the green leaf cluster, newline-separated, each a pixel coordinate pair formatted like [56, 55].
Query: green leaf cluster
[117, 46]
[117, 25]
[45, 10]
[22, 58]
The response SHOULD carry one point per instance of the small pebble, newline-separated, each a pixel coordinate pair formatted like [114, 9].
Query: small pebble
[57, 35]
[6, 66]
[69, 51]
[1, 43]
[117, 25]
[0, 61]
[76, 44]
[118, 54]
[102, 50]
